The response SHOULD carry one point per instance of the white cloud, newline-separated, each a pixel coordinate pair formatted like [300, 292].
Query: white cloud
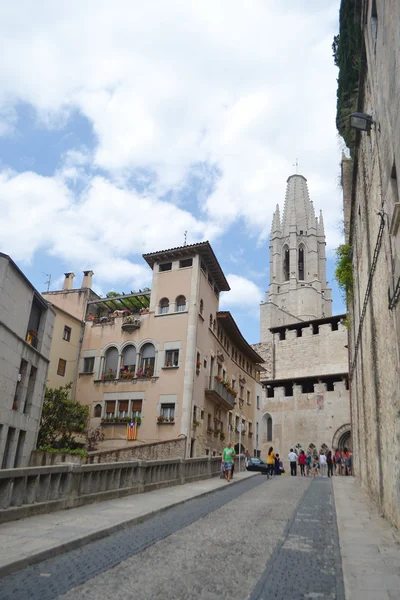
[241, 87]
[244, 295]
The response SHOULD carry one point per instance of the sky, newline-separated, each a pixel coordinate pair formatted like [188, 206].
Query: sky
[124, 124]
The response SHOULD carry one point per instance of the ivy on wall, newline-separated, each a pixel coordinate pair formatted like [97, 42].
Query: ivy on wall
[346, 49]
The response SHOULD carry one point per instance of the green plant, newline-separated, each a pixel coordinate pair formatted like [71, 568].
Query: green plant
[346, 49]
[61, 417]
[76, 451]
[344, 271]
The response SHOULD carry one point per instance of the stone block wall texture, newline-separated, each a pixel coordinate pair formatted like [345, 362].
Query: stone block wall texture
[374, 341]
[157, 451]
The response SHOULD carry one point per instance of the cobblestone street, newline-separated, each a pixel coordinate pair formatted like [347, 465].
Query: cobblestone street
[256, 539]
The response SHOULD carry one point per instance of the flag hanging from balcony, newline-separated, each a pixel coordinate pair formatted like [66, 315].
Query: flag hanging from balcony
[131, 428]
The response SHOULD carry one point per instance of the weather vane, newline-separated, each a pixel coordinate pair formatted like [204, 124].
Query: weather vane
[185, 239]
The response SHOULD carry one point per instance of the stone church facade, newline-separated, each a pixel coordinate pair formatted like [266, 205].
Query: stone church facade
[305, 383]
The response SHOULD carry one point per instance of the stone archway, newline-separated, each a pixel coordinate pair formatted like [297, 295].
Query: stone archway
[342, 438]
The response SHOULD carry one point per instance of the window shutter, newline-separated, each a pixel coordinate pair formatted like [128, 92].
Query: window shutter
[137, 405]
[123, 405]
[110, 406]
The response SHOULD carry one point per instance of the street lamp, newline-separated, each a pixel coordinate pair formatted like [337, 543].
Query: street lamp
[361, 121]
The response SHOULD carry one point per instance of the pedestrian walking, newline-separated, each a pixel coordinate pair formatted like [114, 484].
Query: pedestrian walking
[308, 463]
[227, 458]
[322, 464]
[338, 461]
[292, 456]
[315, 466]
[302, 462]
[279, 470]
[330, 461]
[346, 460]
[270, 461]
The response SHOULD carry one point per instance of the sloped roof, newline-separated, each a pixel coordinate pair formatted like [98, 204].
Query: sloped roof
[228, 323]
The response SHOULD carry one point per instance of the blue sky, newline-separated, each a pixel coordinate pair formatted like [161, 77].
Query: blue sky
[119, 132]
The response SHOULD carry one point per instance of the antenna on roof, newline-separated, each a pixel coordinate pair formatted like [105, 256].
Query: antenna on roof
[296, 163]
[48, 281]
[185, 239]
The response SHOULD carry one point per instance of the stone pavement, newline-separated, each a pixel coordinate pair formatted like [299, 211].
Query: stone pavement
[369, 546]
[257, 539]
[27, 541]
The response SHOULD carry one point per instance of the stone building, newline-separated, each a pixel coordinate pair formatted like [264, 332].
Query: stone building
[26, 327]
[305, 396]
[372, 214]
[171, 360]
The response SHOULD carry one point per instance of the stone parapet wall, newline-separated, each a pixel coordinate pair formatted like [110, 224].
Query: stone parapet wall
[155, 451]
[37, 490]
[42, 459]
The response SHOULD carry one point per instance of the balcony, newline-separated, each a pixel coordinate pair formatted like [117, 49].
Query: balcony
[32, 338]
[216, 391]
[130, 323]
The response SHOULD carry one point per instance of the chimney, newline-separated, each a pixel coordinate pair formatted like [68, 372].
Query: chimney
[87, 279]
[68, 281]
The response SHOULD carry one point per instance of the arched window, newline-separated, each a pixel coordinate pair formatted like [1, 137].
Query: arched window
[148, 354]
[164, 305]
[97, 411]
[301, 262]
[201, 307]
[128, 363]
[286, 263]
[111, 363]
[181, 303]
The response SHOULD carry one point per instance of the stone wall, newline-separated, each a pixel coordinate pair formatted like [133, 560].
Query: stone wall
[375, 242]
[31, 491]
[156, 451]
[42, 459]
[316, 418]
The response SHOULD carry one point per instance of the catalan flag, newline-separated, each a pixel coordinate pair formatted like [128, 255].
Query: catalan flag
[131, 428]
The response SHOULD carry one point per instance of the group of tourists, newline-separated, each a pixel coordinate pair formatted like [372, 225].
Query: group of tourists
[312, 464]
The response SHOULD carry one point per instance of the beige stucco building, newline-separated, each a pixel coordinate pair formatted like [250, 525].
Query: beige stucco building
[26, 328]
[69, 305]
[305, 396]
[372, 219]
[170, 357]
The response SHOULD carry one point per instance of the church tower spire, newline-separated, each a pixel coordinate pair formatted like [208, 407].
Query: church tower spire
[298, 289]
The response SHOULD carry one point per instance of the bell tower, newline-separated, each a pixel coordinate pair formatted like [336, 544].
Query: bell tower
[298, 289]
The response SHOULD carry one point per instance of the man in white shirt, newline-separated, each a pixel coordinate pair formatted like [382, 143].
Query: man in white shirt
[322, 463]
[292, 456]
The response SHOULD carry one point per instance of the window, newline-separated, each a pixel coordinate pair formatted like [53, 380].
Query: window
[168, 411]
[194, 413]
[233, 383]
[181, 303]
[187, 262]
[123, 407]
[236, 422]
[202, 415]
[205, 363]
[67, 334]
[201, 307]
[209, 426]
[88, 364]
[111, 363]
[223, 374]
[258, 402]
[136, 408]
[61, 367]
[165, 267]
[211, 320]
[148, 359]
[164, 306]
[172, 358]
[250, 427]
[110, 409]
[241, 392]
[97, 411]
[269, 429]
[248, 398]
[30, 391]
[128, 361]
[286, 263]
[301, 263]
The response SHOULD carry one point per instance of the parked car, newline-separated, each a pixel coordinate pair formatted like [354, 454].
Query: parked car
[256, 464]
